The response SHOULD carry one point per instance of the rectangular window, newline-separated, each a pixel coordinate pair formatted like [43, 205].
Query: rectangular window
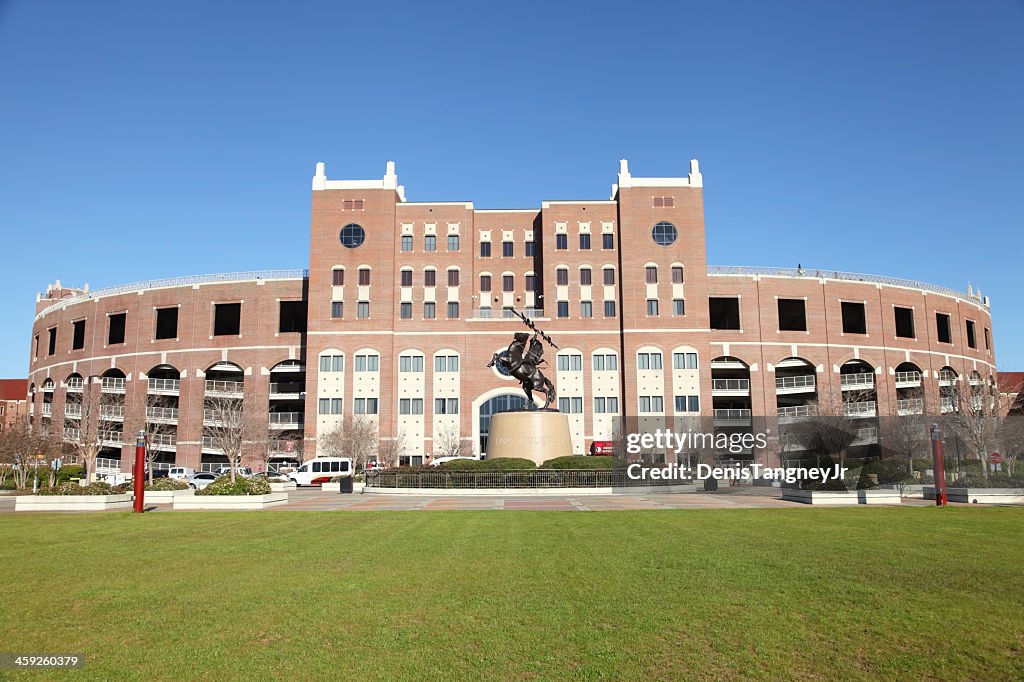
[227, 319]
[453, 278]
[430, 243]
[651, 274]
[586, 309]
[585, 242]
[724, 312]
[648, 361]
[652, 307]
[586, 277]
[680, 403]
[446, 406]
[677, 274]
[609, 308]
[51, 341]
[563, 309]
[684, 361]
[453, 243]
[609, 276]
[561, 242]
[485, 283]
[598, 405]
[485, 249]
[338, 277]
[562, 277]
[429, 311]
[664, 202]
[405, 311]
[410, 363]
[352, 205]
[854, 318]
[645, 404]
[35, 351]
[904, 322]
[330, 405]
[531, 282]
[694, 403]
[429, 278]
[972, 341]
[410, 406]
[332, 363]
[406, 243]
[367, 363]
[792, 315]
[366, 406]
[577, 405]
[943, 328]
[337, 309]
[988, 339]
[507, 249]
[364, 277]
[446, 363]
[167, 323]
[291, 317]
[508, 283]
[678, 307]
[363, 310]
[608, 241]
[605, 362]
[78, 335]
[529, 249]
[453, 310]
[115, 328]
[570, 363]
[406, 278]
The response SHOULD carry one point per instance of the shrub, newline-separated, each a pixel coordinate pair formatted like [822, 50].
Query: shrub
[241, 486]
[157, 484]
[584, 463]
[503, 464]
[69, 488]
[993, 481]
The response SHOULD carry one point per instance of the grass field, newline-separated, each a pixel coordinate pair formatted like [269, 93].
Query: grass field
[710, 594]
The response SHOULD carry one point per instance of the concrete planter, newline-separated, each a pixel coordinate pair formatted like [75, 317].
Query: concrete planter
[226, 502]
[841, 498]
[72, 502]
[331, 487]
[165, 496]
[979, 495]
[282, 486]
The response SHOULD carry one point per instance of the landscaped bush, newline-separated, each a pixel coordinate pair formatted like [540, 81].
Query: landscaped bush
[158, 484]
[241, 486]
[69, 488]
[503, 464]
[584, 463]
[69, 471]
[993, 481]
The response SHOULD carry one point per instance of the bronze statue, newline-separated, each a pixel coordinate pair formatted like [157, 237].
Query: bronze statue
[522, 360]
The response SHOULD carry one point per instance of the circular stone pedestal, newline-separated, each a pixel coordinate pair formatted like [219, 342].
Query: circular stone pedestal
[538, 435]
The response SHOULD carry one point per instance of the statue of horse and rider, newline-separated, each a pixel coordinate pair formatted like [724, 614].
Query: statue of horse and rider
[522, 360]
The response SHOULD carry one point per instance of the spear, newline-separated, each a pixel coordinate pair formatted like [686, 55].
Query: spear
[533, 327]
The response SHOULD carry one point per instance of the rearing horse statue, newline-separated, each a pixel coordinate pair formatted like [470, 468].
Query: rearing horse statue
[521, 360]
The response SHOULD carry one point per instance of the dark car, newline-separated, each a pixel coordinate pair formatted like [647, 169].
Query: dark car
[159, 473]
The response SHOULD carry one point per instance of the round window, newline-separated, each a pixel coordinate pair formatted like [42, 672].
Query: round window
[664, 233]
[352, 236]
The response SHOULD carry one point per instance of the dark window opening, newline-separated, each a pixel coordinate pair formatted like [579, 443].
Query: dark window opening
[406, 278]
[485, 282]
[988, 340]
[943, 328]
[971, 340]
[607, 241]
[904, 322]
[429, 278]
[51, 342]
[78, 335]
[227, 319]
[584, 242]
[292, 317]
[485, 249]
[854, 318]
[507, 249]
[792, 315]
[561, 242]
[115, 328]
[167, 323]
[338, 277]
[364, 277]
[725, 313]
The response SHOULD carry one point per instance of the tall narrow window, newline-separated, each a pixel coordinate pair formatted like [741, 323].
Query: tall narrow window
[406, 278]
[508, 283]
[531, 282]
[115, 328]
[972, 340]
[453, 278]
[585, 277]
[652, 307]
[453, 242]
[677, 274]
[453, 310]
[429, 311]
[609, 276]
[406, 243]
[609, 308]
[563, 309]
[429, 278]
[364, 277]
[904, 322]
[363, 310]
[485, 249]
[167, 323]
[507, 249]
[430, 243]
[651, 274]
[942, 328]
[337, 309]
[485, 283]
[51, 341]
[529, 249]
[78, 335]
[608, 241]
[561, 242]
[338, 277]
[562, 276]
[585, 241]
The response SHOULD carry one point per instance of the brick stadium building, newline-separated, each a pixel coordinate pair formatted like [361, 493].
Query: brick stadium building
[403, 305]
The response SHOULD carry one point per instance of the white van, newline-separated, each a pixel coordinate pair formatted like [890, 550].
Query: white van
[181, 473]
[321, 470]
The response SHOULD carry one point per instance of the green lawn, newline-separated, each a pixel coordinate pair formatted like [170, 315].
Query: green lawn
[767, 594]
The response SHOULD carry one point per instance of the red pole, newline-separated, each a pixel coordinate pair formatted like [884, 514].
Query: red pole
[140, 471]
[938, 467]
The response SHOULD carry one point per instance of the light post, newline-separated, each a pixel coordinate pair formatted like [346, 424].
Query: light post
[139, 472]
[938, 466]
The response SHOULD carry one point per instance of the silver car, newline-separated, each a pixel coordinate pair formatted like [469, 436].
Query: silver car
[201, 480]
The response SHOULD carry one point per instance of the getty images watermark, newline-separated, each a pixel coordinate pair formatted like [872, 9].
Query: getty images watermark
[666, 440]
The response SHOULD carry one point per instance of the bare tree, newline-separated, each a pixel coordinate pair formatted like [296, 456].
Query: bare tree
[158, 430]
[230, 428]
[906, 437]
[978, 419]
[85, 439]
[355, 438]
[388, 449]
[21, 448]
[449, 443]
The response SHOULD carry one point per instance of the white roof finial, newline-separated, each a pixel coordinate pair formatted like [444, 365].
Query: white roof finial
[320, 179]
[625, 179]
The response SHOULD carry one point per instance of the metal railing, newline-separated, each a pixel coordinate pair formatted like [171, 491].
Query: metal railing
[946, 377]
[730, 385]
[112, 383]
[859, 380]
[108, 465]
[73, 410]
[287, 388]
[75, 384]
[732, 414]
[286, 418]
[111, 411]
[221, 416]
[165, 384]
[947, 404]
[503, 314]
[908, 378]
[210, 443]
[910, 406]
[868, 434]
[806, 381]
[749, 271]
[175, 282]
[72, 433]
[226, 387]
[47, 409]
[211, 467]
[168, 439]
[541, 478]
[797, 411]
[163, 413]
[860, 409]
[112, 437]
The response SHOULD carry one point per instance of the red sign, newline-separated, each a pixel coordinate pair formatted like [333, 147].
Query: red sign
[996, 458]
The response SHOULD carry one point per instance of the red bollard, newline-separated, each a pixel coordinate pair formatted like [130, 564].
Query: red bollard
[139, 471]
[938, 467]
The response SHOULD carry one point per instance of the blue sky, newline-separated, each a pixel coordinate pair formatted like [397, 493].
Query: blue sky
[144, 140]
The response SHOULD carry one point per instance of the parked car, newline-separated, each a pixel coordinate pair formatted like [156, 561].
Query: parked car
[201, 480]
[181, 473]
[441, 460]
[272, 475]
[245, 472]
[320, 470]
[159, 473]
